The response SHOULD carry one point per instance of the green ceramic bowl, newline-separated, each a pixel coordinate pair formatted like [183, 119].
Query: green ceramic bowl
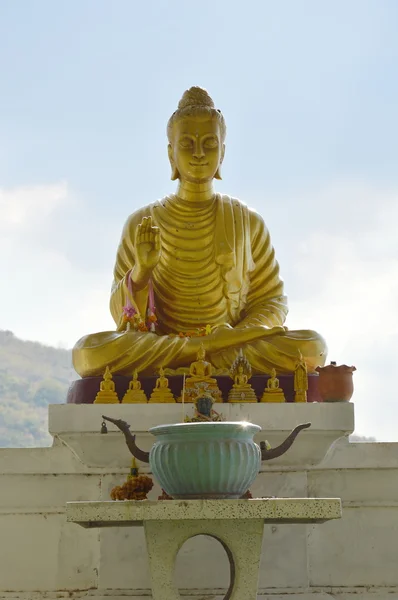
[205, 460]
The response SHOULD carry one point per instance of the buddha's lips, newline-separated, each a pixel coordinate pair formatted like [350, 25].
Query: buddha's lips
[198, 164]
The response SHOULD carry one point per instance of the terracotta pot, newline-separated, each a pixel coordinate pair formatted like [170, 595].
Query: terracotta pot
[335, 382]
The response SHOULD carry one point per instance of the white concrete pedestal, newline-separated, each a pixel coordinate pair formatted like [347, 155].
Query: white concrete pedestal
[237, 524]
[78, 427]
[241, 540]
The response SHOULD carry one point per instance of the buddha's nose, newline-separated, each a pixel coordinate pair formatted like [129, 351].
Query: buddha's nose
[198, 151]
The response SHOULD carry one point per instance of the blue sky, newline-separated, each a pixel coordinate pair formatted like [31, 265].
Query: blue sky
[309, 91]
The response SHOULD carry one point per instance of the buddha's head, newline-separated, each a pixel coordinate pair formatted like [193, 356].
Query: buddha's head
[196, 133]
[240, 369]
[201, 352]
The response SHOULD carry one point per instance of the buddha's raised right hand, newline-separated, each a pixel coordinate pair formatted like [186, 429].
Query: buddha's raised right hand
[147, 251]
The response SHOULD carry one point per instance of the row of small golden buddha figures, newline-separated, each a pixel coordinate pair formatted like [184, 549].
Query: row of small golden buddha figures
[200, 380]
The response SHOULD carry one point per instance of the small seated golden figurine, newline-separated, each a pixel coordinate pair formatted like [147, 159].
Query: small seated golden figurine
[161, 393]
[135, 394]
[200, 379]
[300, 380]
[241, 390]
[273, 393]
[107, 394]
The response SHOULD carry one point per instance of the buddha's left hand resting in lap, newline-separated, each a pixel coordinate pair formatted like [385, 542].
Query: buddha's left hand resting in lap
[192, 260]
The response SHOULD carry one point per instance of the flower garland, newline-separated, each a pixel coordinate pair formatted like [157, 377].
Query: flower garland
[201, 332]
[133, 319]
[131, 315]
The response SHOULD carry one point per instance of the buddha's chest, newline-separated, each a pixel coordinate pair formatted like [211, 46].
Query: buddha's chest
[187, 249]
[188, 275]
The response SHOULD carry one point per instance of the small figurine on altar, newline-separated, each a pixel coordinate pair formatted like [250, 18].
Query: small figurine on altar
[161, 392]
[241, 372]
[204, 410]
[107, 393]
[134, 394]
[300, 380]
[201, 369]
[135, 488]
[200, 373]
[273, 393]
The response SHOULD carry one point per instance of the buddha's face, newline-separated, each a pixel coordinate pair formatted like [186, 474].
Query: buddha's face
[197, 150]
[201, 354]
[240, 370]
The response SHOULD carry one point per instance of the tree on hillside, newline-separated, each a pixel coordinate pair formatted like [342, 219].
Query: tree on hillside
[32, 376]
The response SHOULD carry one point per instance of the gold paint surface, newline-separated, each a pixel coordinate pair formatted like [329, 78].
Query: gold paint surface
[211, 265]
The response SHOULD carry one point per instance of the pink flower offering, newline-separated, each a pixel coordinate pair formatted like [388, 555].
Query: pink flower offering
[129, 311]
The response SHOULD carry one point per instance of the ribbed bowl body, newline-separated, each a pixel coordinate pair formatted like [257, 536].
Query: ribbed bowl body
[205, 460]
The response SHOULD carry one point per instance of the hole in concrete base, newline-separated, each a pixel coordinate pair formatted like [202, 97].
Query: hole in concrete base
[203, 563]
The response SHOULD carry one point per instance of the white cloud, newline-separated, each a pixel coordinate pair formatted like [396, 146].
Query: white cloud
[44, 297]
[344, 283]
[355, 310]
[24, 207]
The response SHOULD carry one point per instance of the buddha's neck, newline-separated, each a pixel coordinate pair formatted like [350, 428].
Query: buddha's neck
[195, 192]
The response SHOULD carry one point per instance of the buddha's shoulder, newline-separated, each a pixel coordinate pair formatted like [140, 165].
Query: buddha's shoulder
[145, 211]
[236, 205]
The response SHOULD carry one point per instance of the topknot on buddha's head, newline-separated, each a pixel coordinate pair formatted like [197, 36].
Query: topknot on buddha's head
[195, 96]
[196, 102]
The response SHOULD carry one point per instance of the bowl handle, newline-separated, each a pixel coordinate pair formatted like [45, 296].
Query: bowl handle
[130, 439]
[268, 453]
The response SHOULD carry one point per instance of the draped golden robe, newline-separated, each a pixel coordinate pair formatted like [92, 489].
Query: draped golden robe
[217, 266]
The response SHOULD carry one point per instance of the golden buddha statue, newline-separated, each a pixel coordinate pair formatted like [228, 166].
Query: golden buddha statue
[107, 393]
[200, 379]
[300, 380]
[134, 394]
[273, 393]
[161, 392]
[241, 372]
[196, 258]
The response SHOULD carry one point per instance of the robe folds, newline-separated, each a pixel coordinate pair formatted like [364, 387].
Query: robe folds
[218, 268]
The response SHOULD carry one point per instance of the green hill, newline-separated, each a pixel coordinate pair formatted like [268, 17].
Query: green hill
[31, 377]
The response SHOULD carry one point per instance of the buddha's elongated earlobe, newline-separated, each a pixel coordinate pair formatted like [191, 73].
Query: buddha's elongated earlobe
[218, 172]
[174, 171]
[175, 174]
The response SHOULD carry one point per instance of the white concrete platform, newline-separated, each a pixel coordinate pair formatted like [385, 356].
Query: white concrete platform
[78, 427]
[237, 524]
